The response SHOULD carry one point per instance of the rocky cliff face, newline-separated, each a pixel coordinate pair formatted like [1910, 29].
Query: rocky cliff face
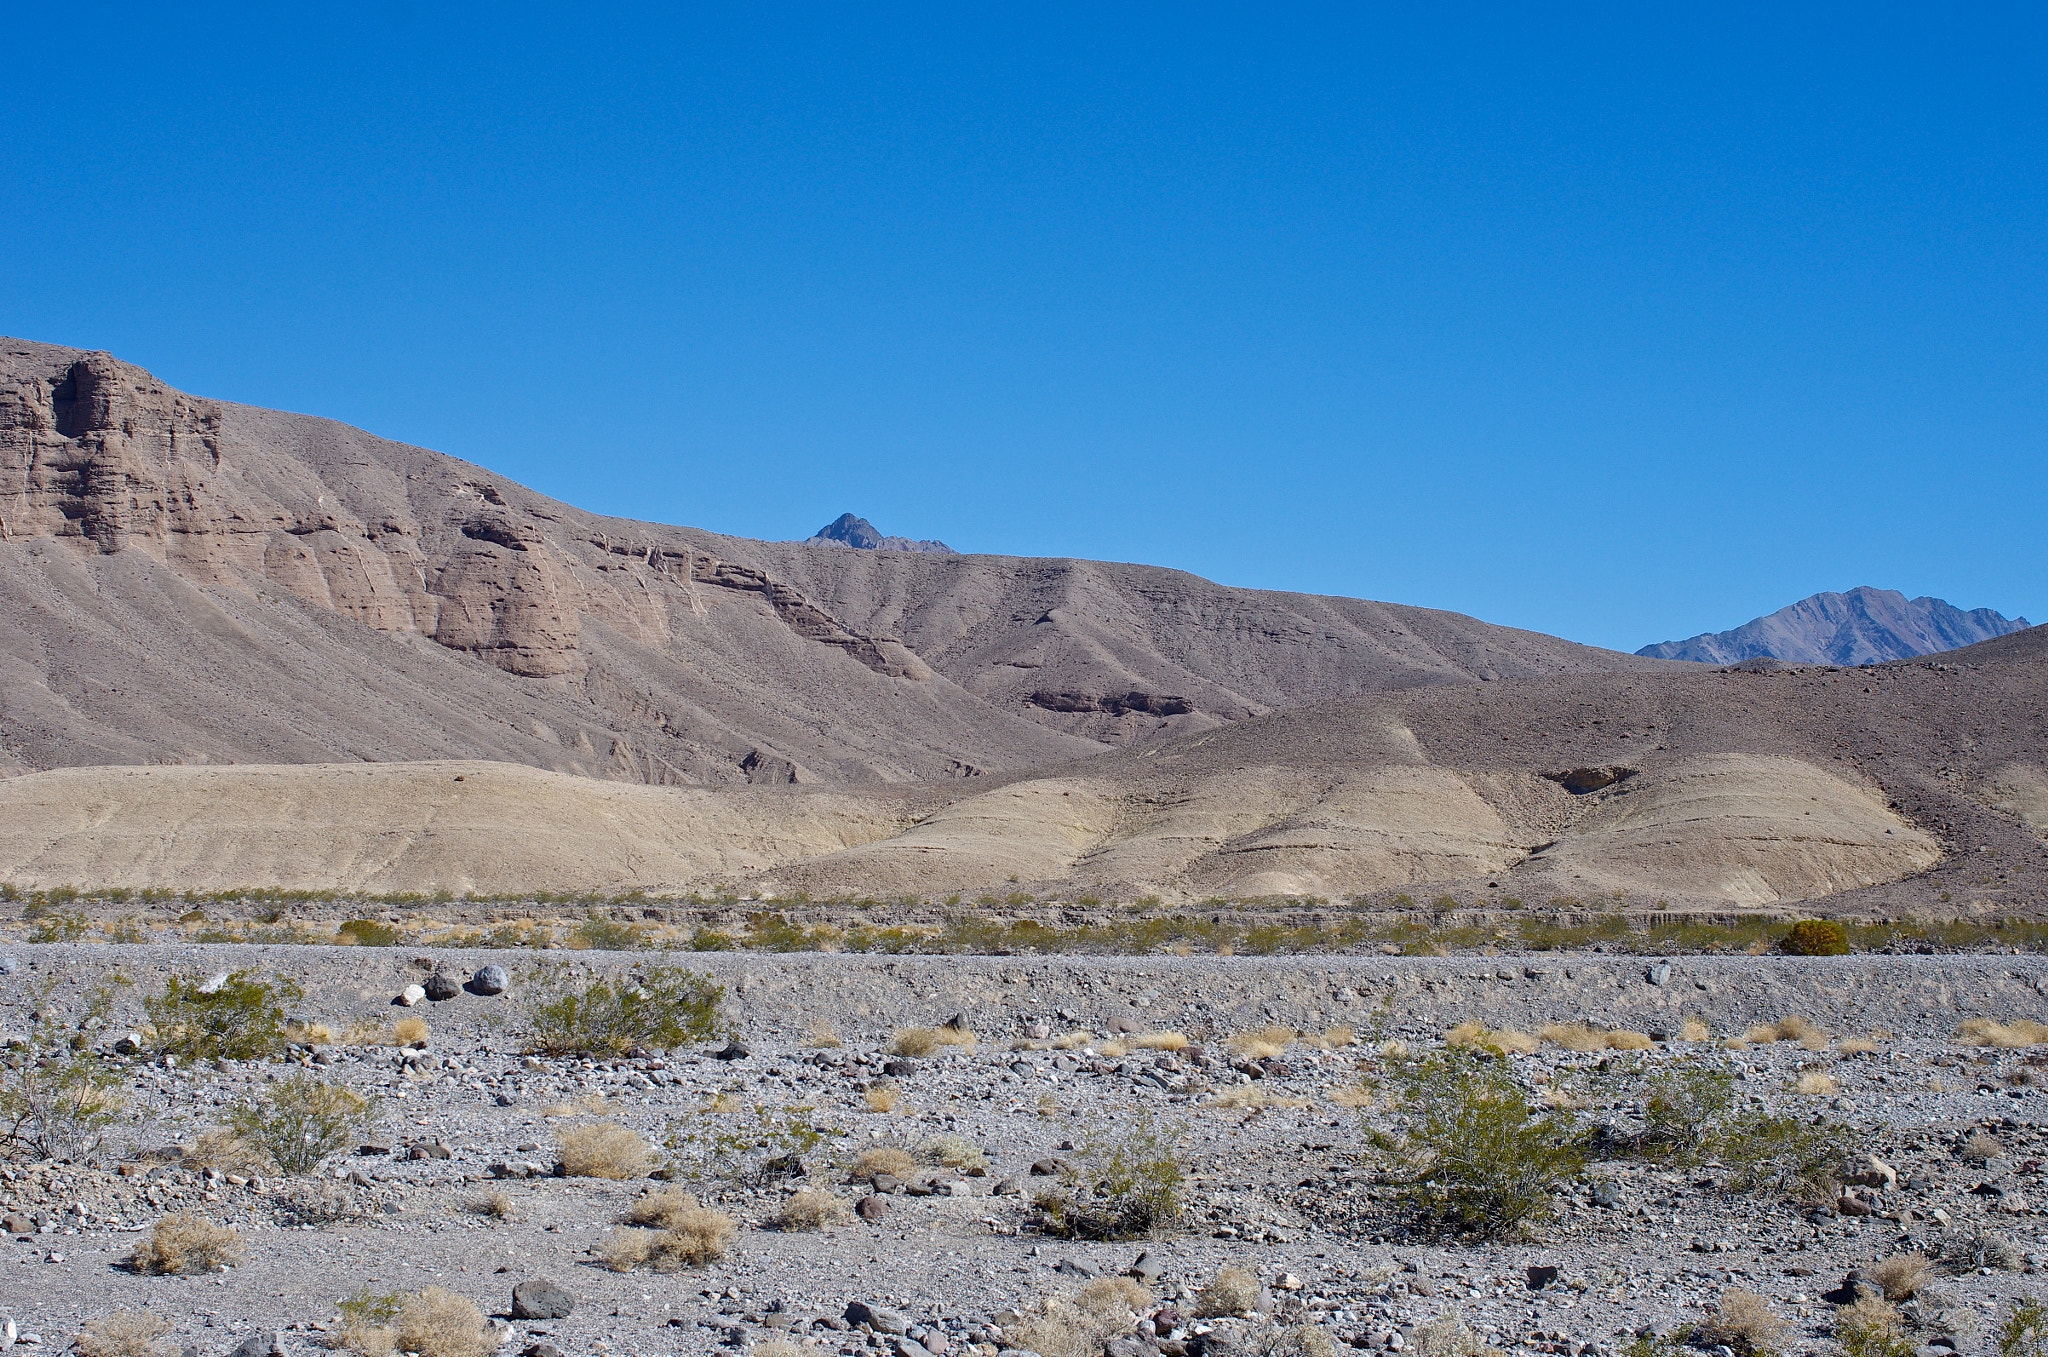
[186, 580]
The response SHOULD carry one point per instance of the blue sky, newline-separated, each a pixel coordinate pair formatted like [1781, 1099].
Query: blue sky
[1619, 322]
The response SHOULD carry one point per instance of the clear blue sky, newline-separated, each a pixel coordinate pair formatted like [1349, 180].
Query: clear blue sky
[1619, 322]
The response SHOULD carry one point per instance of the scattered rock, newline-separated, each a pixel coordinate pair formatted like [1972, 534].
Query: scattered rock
[259, 1345]
[877, 1318]
[491, 980]
[541, 1349]
[442, 987]
[212, 983]
[732, 1050]
[1147, 1267]
[410, 996]
[1541, 1276]
[541, 1299]
[873, 1207]
[1045, 1168]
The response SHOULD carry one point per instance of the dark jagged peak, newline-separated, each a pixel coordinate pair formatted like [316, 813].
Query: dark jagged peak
[850, 530]
[1862, 626]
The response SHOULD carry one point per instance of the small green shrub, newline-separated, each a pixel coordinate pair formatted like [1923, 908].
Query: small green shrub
[604, 935]
[1685, 1111]
[58, 925]
[2024, 1332]
[1815, 937]
[242, 1018]
[749, 1149]
[1782, 1156]
[661, 1009]
[1476, 1159]
[57, 1099]
[369, 933]
[1123, 1183]
[301, 1121]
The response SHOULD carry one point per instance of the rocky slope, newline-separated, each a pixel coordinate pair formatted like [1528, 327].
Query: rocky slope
[1862, 626]
[185, 580]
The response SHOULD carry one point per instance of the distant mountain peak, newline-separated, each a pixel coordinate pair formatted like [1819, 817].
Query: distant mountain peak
[851, 530]
[1862, 626]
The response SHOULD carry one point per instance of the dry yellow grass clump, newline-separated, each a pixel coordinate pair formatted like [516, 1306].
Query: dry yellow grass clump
[1695, 1028]
[824, 1038]
[1505, 1041]
[310, 1033]
[1353, 1095]
[409, 1030]
[1900, 1275]
[1793, 1028]
[438, 1323]
[1160, 1041]
[690, 1235]
[1577, 1036]
[1744, 1322]
[882, 1099]
[1233, 1291]
[1870, 1325]
[1856, 1046]
[604, 1149]
[879, 1159]
[123, 1333]
[184, 1246]
[1073, 1041]
[1267, 1043]
[1815, 1084]
[2005, 1036]
[810, 1209]
[1253, 1095]
[491, 1206]
[918, 1042]
[1060, 1326]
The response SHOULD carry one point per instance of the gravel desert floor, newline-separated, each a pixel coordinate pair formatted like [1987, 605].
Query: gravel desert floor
[1269, 1105]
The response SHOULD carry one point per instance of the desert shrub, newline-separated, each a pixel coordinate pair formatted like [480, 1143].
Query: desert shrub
[59, 1104]
[1073, 1041]
[1448, 1336]
[1476, 1158]
[662, 1008]
[824, 1038]
[438, 1323]
[1695, 1028]
[2024, 1331]
[301, 1121]
[409, 1032]
[2008, 1036]
[1980, 1248]
[918, 1042]
[1870, 1328]
[1078, 1325]
[57, 925]
[1504, 1041]
[185, 1246]
[1782, 1156]
[952, 1152]
[1267, 1043]
[1160, 1041]
[1576, 1036]
[241, 1018]
[1979, 1147]
[1815, 1084]
[1856, 1046]
[365, 1326]
[1252, 1095]
[368, 933]
[1815, 937]
[690, 1236]
[810, 1209]
[1743, 1321]
[604, 935]
[882, 1098]
[491, 1206]
[1232, 1291]
[749, 1148]
[1900, 1275]
[604, 1149]
[1123, 1183]
[1684, 1110]
[123, 1333]
[227, 1152]
[661, 1210]
[881, 1159]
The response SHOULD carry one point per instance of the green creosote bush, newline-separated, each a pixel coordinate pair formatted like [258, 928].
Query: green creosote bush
[242, 1018]
[1870, 1328]
[2024, 1331]
[748, 1149]
[57, 925]
[600, 934]
[58, 1101]
[1815, 937]
[1123, 1183]
[302, 1120]
[369, 933]
[1690, 1117]
[1475, 1158]
[660, 1009]
[1785, 1157]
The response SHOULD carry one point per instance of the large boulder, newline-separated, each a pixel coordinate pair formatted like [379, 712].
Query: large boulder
[541, 1299]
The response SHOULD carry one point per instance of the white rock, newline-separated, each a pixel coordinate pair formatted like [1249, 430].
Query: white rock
[412, 995]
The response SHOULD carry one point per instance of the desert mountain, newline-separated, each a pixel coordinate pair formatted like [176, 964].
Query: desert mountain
[245, 648]
[189, 581]
[848, 530]
[1862, 626]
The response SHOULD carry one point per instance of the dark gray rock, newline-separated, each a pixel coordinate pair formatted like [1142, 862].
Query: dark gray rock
[1541, 1276]
[540, 1349]
[259, 1345]
[1607, 1193]
[873, 1207]
[1147, 1267]
[878, 1318]
[490, 981]
[732, 1050]
[541, 1299]
[442, 987]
